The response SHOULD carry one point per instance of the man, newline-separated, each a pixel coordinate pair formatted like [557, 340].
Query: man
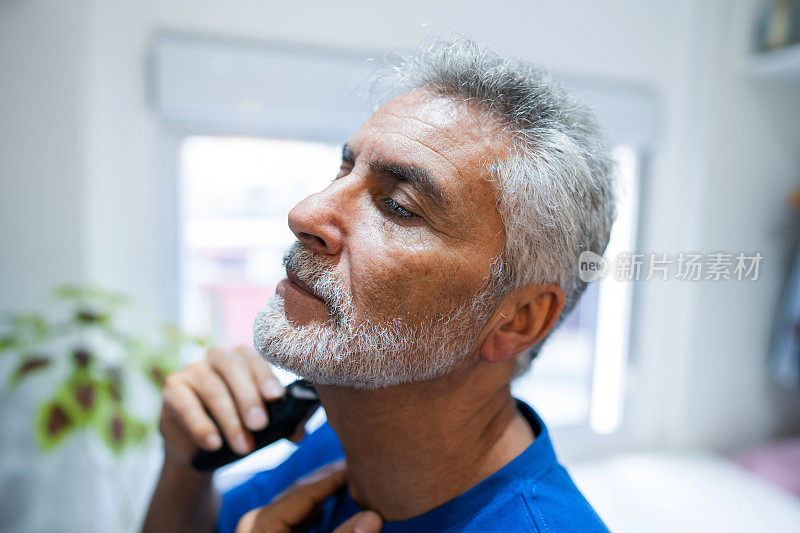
[423, 279]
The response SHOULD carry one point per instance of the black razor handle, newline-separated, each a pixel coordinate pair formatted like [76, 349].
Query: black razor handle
[285, 415]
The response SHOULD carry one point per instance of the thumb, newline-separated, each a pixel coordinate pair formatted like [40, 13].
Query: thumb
[363, 522]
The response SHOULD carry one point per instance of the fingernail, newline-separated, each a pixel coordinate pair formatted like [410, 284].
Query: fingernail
[368, 522]
[212, 441]
[273, 389]
[256, 418]
[240, 445]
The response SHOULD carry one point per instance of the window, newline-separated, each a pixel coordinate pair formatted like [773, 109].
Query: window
[236, 193]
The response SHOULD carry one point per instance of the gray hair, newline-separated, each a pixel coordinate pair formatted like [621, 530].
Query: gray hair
[555, 188]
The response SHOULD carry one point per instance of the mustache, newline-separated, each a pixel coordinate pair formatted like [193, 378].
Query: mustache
[319, 276]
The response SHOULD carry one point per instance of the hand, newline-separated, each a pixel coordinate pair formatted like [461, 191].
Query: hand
[227, 390]
[298, 505]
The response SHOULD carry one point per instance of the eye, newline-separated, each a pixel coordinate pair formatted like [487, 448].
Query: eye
[396, 209]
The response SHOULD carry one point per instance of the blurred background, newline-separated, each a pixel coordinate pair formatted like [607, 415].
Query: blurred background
[150, 152]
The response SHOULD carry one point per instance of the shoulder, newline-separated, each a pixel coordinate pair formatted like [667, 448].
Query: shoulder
[315, 450]
[549, 504]
[555, 503]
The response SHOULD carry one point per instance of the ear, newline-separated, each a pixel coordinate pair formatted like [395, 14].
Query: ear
[521, 320]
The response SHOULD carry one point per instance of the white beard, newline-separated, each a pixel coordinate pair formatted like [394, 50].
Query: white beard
[364, 355]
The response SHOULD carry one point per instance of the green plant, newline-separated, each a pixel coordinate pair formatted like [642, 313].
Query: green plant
[92, 364]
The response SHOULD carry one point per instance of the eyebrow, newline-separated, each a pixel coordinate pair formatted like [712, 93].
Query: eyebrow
[417, 177]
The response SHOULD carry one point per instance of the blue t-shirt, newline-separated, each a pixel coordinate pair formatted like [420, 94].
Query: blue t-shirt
[531, 493]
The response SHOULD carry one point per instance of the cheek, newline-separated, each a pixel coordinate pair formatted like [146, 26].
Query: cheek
[398, 274]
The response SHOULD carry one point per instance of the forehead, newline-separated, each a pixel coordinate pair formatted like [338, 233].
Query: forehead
[431, 129]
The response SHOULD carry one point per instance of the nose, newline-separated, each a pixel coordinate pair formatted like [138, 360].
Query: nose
[315, 223]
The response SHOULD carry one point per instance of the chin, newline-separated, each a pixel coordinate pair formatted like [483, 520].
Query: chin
[360, 356]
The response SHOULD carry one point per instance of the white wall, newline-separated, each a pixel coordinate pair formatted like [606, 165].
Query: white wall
[752, 164]
[42, 133]
[75, 117]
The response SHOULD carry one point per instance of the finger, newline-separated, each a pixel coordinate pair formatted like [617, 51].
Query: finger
[217, 399]
[363, 522]
[271, 389]
[294, 505]
[183, 405]
[236, 374]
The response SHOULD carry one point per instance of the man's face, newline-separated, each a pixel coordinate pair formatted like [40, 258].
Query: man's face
[395, 249]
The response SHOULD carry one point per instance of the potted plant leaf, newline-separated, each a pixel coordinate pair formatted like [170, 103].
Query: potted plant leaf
[95, 375]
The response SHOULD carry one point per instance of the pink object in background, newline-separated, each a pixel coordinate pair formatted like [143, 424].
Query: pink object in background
[777, 463]
[234, 309]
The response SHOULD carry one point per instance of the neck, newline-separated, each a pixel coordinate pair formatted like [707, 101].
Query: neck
[414, 447]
